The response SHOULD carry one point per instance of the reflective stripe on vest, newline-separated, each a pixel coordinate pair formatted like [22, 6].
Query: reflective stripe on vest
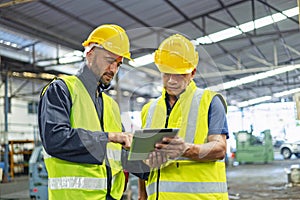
[211, 177]
[192, 118]
[188, 187]
[113, 154]
[77, 183]
[151, 112]
[67, 178]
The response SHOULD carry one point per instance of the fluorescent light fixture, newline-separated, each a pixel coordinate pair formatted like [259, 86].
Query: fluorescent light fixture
[224, 34]
[47, 76]
[267, 98]
[72, 59]
[287, 92]
[254, 101]
[143, 60]
[227, 33]
[66, 69]
[253, 78]
[113, 92]
[33, 75]
[29, 75]
[126, 93]
[75, 56]
[291, 12]
[248, 26]
[204, 40]
[140, 99]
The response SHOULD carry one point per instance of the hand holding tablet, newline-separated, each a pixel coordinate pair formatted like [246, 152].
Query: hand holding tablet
[144, 141]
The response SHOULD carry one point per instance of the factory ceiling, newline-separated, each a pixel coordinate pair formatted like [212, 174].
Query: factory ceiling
[248, 49]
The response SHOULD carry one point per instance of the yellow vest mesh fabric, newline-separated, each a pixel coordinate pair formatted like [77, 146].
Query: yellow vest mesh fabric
[84, 115]
[185, 172]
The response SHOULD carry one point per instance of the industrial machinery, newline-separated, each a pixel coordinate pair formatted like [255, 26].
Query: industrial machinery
[38, 176]
[254, 149]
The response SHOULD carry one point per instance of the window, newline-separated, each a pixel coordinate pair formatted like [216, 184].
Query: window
[33, 107]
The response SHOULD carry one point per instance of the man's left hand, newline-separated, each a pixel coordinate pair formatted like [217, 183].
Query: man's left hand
[172, 147]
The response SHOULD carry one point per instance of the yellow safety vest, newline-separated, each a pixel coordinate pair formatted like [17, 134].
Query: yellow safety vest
[183, 178]
[70, 180]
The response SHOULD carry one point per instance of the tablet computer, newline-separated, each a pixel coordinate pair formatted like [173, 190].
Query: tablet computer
[144, 141]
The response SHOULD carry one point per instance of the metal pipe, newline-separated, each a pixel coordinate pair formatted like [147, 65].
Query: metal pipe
[6, 147]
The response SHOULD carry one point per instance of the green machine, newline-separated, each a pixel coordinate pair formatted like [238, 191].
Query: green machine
[254, 149]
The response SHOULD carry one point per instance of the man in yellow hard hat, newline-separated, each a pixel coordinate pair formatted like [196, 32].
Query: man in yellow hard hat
[191, 165]
[80, 126]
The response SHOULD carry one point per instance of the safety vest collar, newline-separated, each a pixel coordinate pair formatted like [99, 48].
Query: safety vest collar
[188, 90]
[192, 115]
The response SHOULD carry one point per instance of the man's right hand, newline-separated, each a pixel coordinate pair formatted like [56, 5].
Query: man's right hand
[123, 138]
[156, 159]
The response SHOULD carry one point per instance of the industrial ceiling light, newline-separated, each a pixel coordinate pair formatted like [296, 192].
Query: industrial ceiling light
[75, 56]
[143, 60]
[113, 92]
[140, 99]
[248, 26]
[66, 68]
[287, 92]
[254, 101]
[228, 33]
[267, 98]
[253, 78]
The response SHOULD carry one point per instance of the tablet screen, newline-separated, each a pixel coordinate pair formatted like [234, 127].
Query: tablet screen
[144, 141]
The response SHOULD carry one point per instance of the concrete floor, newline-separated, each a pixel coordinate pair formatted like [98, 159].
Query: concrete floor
[262, 181]
[246, 181]
[18, 188]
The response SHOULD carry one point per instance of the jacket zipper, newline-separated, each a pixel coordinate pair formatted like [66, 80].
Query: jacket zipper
[157, 185]
[107, 166]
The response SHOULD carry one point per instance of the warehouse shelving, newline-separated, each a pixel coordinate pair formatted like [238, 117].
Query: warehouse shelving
[19, 154]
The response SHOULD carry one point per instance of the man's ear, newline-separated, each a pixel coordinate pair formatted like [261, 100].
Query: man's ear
[194, 73]
[89, 55]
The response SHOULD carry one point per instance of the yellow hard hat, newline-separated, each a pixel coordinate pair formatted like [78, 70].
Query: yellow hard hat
[176, 55]
[111, 37]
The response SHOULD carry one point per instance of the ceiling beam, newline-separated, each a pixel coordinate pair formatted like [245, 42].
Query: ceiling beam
[38, 33]
[61, 11]
[248, 36]
[119, 8]
[14, 2]
[236, 72]
[185, 16]
[296, 31]
[207, 13]
[245, 34]
[275, 25]
[277, 10]
[262, 61]
[292, 49]
[266, 34]
[231, 56]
